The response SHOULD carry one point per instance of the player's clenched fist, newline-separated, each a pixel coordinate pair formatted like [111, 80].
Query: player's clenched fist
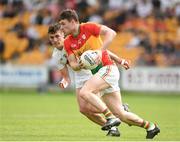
[63, 84]
[125, 63]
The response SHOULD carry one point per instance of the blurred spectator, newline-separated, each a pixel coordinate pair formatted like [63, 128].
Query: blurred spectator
[144, 8]
[19, 28]
[54, 7]
[3, 2]
[94, 11]
[82, 10]
[2, 49]
[41, 17]
[146, 60]
[36, 4]
[37, 18]
[115, 4]
[169, 47]
[9, 12]
[177, 9]
[96, 18]
[71, 4]
[153, 25]
[159, 25]
[33, 37]
[156, 4]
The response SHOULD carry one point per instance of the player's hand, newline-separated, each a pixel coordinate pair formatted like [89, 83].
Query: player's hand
[81, 64]
[98, 60]
[63, 84]
[125, 63]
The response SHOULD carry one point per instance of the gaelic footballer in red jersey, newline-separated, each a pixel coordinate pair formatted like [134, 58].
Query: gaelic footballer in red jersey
[107, 77]
[89, 39]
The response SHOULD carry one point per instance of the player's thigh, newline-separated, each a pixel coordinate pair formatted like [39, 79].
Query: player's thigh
[81, 102]
[114, 102]
[95, 84]
[84, 106]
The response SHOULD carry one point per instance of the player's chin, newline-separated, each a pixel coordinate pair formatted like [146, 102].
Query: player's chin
[59, 47]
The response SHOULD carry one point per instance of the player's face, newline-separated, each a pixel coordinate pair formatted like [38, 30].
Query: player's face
[57, 39]
[67, 26]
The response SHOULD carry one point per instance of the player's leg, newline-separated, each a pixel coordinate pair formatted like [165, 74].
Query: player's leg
[89, 111]
[91, 87]
[114, 103]
[88, 92]
[85, 107]
[94, 115]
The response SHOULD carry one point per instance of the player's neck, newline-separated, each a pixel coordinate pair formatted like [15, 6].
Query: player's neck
[60, 48]
[76, 31]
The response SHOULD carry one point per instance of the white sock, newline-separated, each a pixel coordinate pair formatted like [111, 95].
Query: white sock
[151, 127]
[113, 128]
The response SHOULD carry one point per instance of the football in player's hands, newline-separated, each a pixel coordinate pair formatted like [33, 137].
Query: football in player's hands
[90, 59]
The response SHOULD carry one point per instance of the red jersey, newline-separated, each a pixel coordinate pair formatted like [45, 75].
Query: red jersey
[87, 39]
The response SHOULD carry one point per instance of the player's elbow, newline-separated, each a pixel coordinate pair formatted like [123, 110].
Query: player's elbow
[84, 94]
[113, 33]
[75, 66]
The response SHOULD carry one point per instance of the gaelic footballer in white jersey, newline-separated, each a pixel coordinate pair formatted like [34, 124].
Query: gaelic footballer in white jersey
[60, 59]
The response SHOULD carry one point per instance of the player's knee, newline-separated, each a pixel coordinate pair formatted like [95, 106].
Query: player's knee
[121, 114]
[83, 94]
[83, 110]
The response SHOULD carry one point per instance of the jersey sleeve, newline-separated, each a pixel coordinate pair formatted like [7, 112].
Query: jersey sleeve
[93, 28]
[56, 59]
[57, 64]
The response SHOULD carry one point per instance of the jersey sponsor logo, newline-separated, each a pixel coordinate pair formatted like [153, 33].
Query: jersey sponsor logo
[79, 43]
[84, 36]
[73, 46]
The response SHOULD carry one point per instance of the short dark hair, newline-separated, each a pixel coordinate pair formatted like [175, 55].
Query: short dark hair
[69, 14]
[53, 28]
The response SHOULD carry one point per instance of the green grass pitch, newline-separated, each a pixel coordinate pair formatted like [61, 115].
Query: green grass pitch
[30, 116]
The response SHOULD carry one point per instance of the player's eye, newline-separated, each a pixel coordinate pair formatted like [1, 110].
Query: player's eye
[51, 37]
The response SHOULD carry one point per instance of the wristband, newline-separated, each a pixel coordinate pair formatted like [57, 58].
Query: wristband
[63, 83]
[123, 61]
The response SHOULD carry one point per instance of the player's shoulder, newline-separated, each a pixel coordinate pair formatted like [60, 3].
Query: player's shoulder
[67, 40]
[88, 24]
[60, 57]
[57, 53]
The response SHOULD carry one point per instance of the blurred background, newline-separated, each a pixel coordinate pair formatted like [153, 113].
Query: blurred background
[33, 108]
[148, 33]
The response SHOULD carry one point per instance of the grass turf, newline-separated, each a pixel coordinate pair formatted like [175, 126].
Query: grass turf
[30, 116]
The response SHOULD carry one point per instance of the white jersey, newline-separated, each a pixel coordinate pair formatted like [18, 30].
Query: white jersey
[81, 76]
[60, 59]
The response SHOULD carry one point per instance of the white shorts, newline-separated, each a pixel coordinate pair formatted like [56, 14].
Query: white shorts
[110, 74]
[81, 77]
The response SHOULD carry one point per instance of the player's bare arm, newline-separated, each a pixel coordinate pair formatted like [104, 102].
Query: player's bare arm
[65, 74]
[65, 78]
[123, 62]
[73, 62]
[108, 34]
